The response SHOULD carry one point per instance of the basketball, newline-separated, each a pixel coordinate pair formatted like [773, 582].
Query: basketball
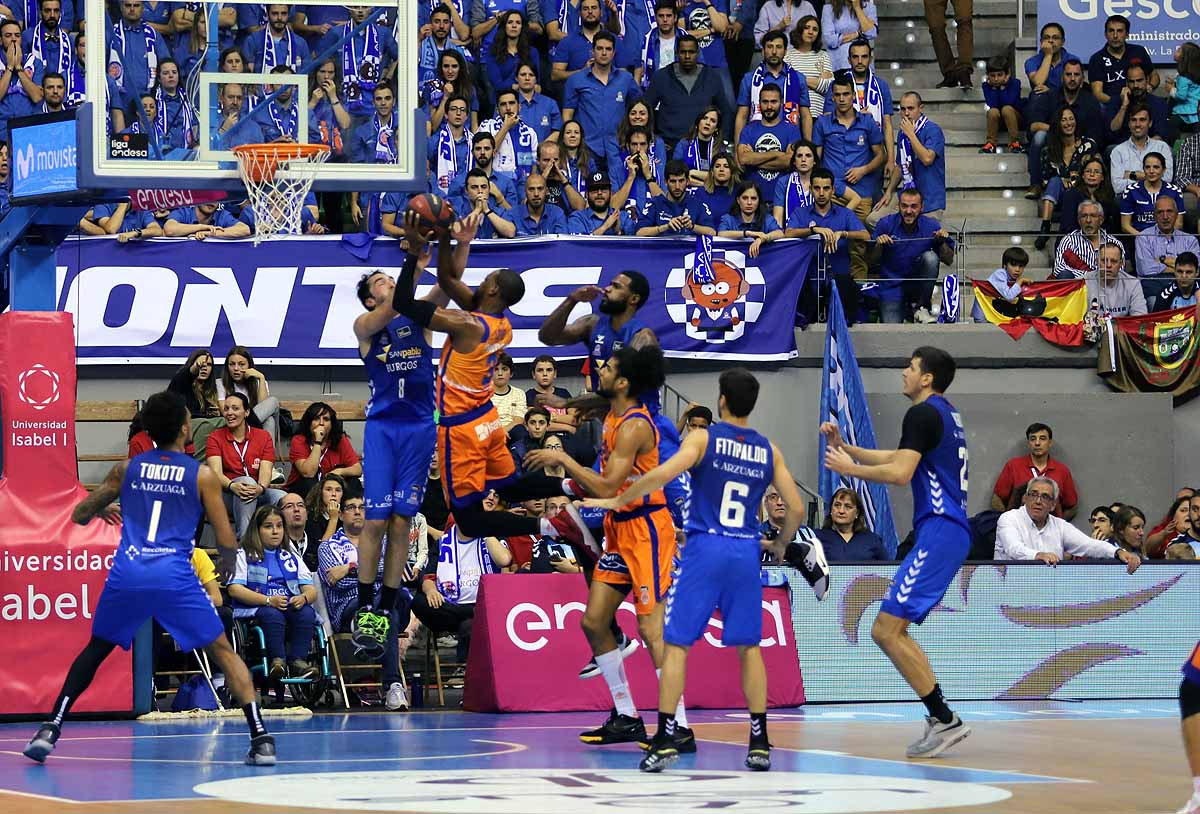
[435, 213]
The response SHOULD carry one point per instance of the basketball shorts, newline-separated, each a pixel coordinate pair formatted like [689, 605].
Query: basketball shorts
[922, 579]
[182, 608]
[395, 462]
[1191, 668]
[639, 547]
[473, 456]
[716, 573]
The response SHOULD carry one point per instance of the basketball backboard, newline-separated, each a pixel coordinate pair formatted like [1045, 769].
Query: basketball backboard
[270, 102]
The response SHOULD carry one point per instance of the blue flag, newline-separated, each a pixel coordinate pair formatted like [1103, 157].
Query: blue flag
[703, 270]
[844, 401]
[949, 312]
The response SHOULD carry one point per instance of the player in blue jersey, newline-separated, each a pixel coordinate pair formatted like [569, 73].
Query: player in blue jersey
[933, 457]
[617, 326]
[163, 494]
[732, 465]
[400, 433]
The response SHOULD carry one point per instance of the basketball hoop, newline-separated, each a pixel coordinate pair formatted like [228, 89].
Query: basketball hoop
[278, 178]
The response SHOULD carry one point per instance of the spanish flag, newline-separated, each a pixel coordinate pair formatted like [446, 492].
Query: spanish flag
[1055, 309]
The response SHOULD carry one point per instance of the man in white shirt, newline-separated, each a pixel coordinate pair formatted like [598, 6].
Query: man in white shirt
[1033, 533]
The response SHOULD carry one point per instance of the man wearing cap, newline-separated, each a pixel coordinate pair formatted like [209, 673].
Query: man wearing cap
[600, 218]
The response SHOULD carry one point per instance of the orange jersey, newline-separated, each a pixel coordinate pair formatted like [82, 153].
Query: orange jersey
[465, 379]
[643, 463]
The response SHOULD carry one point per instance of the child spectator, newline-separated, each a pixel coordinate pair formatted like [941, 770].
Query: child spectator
[1007, 280]
[272, 585]
[1184, 89]
[543, 392]
[531, 434]
[1002, 93]
[511, 402]
[324, 506]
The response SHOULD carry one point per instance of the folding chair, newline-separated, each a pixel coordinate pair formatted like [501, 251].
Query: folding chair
[339, 667]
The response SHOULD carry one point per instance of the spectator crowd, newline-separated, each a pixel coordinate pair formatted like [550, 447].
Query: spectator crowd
[664, 117]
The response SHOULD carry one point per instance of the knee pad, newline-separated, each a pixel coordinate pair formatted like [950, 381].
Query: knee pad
[1189, 699]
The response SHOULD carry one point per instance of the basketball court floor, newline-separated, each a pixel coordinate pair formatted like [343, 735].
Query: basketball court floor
[1028, 757]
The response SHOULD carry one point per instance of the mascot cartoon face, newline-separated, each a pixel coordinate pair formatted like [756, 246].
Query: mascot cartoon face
[728, 286]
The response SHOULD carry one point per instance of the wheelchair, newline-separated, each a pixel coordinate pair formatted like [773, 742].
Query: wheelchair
[250, 643]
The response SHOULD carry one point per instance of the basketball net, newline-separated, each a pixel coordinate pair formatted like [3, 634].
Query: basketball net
[278, 178]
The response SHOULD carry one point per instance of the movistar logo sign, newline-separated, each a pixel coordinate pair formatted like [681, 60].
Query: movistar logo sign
[31, 161]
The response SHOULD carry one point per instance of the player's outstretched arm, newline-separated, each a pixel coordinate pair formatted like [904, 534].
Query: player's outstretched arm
[833, 438]
[556, 331]
[898, 471]
[209, 484]
[631, 437]
[99, 502]
[690, 453]
[465, 330]
[450, 272]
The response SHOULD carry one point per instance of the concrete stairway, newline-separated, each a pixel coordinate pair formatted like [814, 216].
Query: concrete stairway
[985, 193]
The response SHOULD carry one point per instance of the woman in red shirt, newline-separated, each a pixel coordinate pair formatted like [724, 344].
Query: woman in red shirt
[320, 448]
[242, 456]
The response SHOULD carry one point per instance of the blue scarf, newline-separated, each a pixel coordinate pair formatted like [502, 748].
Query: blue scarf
[289, 125]
[150, 37]
[795, 195]
[257, 575]
[904, 155]
[385, 138]
[790, 83]
[449, 579]
[360, 72]
[65, 55]
[648, 4]
[186, 117]
[868, 98]
[695, 160]
[650, 53]
[76, 89]
[517, 154]
[447, 160]
[269, 57]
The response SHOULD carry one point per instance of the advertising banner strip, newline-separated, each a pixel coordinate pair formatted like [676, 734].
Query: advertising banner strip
[527, 648]
[294, 302]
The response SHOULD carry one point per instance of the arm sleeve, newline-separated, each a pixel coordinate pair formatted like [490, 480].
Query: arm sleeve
[922, 429]
[1067, 494]
[299, 449]
[326, 559]
[1004, 484]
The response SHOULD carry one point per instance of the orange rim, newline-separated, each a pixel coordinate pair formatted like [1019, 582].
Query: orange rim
[260, 161]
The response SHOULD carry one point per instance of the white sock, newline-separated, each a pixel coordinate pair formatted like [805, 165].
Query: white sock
[680, 710]
[612, 667]
[1196, 788]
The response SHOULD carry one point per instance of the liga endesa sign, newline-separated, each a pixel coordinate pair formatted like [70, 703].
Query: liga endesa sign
[51, 570]
[527, 648]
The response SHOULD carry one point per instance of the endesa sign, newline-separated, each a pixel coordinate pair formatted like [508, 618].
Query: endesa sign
[527, 649]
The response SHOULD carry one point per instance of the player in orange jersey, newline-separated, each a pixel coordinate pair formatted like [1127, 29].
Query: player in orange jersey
[472, 445]
[639, 541]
